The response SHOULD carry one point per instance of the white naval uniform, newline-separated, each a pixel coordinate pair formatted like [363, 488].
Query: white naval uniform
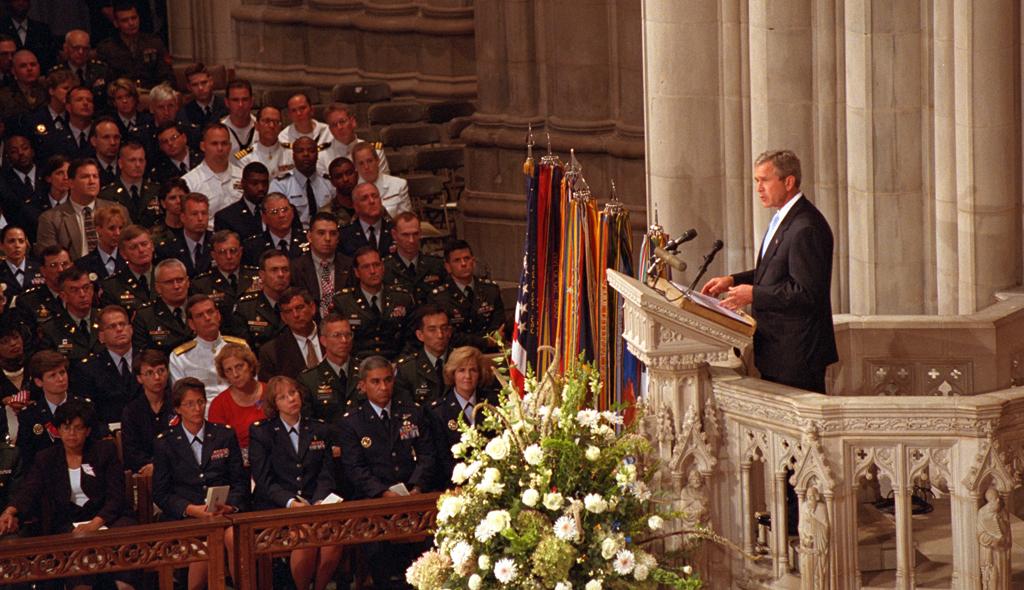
[336, 149]
[277, 159]
[321, 134]
[394, 193]
[195, 358]
[240, 134]
[293, 185]
[222, 189]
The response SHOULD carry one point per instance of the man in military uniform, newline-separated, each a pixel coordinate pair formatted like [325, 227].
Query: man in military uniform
[107, 374]
[394, 191]
[139, 196]
[134, 125]
[278, 215]
[133, 286]
[420, 375]
[341, 122]
[300, 112]
[26, 94]
[174, 158]
[205, 106]
[473, 304]
[190, 244]
[385, 442]
[172, 194]
[91, 73]
[343, 177]
[240, 122]
[18, 272]
[135, 55]
[73, 330]
[105, 260]
[417, 273]
[379, 314]
[267, 149]
[165, 106]
[48, 369]
[46, 122]
[74, 141]
[160, 324]
[244, 216]
[331, 385]
[36, 304]
[371, 225]
[19, 175]
[257, 316]
[215, 177]
[228, 279]
[106, 143]
[306, 190]
[196, 358]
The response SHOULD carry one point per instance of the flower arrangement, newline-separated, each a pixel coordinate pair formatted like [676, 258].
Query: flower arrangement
[557, 497]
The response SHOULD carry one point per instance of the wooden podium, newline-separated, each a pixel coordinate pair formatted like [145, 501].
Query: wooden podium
[677, 335]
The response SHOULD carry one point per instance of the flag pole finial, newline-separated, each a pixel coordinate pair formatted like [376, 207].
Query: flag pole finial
[528, 165]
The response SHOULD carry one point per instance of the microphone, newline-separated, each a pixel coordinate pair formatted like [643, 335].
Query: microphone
[686, 236]
[708, 258]
[669, 258]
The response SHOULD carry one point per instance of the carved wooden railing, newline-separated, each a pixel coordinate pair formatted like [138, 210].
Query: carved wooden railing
[270, 532]
[163, 547]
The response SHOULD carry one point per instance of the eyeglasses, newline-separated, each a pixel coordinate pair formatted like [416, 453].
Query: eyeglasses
[174, 281]
[226, 251]
[193, 404]
[277, 210]
[170, 139]
[340, 335]
[61, 265]
[157, 372]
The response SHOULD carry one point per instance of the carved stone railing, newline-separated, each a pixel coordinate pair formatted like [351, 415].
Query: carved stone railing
[163, 547]
[957, 447]
[270, 532]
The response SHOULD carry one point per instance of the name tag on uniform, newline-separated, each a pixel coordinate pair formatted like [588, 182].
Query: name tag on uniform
[258, 324]
[219, 454]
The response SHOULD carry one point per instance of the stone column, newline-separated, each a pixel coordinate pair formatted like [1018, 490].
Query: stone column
[747, 514]
[944, 158]
[986, 59]
[780, 545]
[904, 538]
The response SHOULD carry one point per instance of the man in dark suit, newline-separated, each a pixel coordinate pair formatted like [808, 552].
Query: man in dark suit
[20, 175]
[371, 225]
[28, 33]
[243, 216]
[107, 375]
[191, 243]
[789, 288]
[322, 271]
[281, 234]
[205, 105]
[297, 347]
[175, 157]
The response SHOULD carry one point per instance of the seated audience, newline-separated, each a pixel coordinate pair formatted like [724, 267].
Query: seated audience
[147, 415]
[394, 191]
[106, 374]
[196, 358]
[241, 403]
[420, 375]
[297, 347]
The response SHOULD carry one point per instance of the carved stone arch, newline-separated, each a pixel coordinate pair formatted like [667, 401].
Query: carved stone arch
[883, 458]
[934, 460]
[788, 451]
[692, 446]
[991, 462]
[754, 441]
[812, 465]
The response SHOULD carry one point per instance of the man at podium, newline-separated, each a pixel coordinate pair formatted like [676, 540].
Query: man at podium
[789, 287]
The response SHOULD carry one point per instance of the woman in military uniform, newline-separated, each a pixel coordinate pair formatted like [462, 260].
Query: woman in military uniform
[292, 466]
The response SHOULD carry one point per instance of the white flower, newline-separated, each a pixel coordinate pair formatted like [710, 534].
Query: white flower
[483, 562]
[505, 570]
[595, 503]
[473, 468]
[490, 483]
[608, 547]
[612, 417]
[655, 522]
[531, 497]
[497, 448]
[498, 519]
[484, 531]
[457, 449]
[474, 582]
[641, 491]
[563, 586]
[461, 554]
[641, 572]
[552, 500]
[593, 453]
[533, 454]
[459, 473]
[624, 562]
[450, 506]
[605, 431]
[687, 569]
[588, 418]
[593, 585]
[565, 528]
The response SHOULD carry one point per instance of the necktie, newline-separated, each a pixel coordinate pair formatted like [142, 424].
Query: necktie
[467, 411]
[81, 138]
[371, 237]
[91, 239]
[439, 369]
[22, 33]
[20, 276]
[144, 283]
[197, 449]
[410, 271]
[311, 360]
[28, 183]
[373, 306]
[183, 167]
[294, 436]
[177, 316]
[198, 253]
[771, 231]
[83, 326]
[469, 293]
[206, 112]
[233, 281]
[126, 373]
[135, 193]
[326, 288]
[386, 420]
[81, 75]
[311, 199]
[283, 246]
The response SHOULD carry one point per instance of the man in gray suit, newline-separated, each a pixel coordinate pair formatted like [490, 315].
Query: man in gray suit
[70, 224]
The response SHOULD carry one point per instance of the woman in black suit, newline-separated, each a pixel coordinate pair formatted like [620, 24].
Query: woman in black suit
[191, 456]
[77, 486]
[147, 415]
[293, 467]
[468, 376]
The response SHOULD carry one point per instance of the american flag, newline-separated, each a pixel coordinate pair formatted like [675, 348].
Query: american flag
[524, 328]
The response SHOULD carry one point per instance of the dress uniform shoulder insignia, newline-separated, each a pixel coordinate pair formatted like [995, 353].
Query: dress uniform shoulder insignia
[348, 290]
[345, 415]
[284, 176]
[235, 340]
[403, 359]
[486, 281]
[182, 349]
[377, 145]
[244, 152]
[286, 145]
[323, 146]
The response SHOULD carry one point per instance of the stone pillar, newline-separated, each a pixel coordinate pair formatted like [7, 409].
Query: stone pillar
[986, 59]
[780, 544]
[747, 515]
[904, 538]
[944, 156]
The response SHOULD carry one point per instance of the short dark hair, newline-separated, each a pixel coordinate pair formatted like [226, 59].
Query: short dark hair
[255, 168]
[195, 300]
[268, 254]
[222, 235]
[109, 309]
[129, 144]
[79, 163]
[72, 273]
[183, 386]
[373, 362]
[105, 119]
[150, 357]
[176, 125]
[53, 163]
[323, 216]
[9, 325]
[427, 309]
[337, 162]
[362, 251]
[51, 251]
[45, 361]
[71, 94]
[8, 228]
[332, 317]
[74, 408]
[293, 292]
[238, 83]
[453, 245]
[196, 68]
[171, 184]
[405, 216]
[124, 6]
[213, 126]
